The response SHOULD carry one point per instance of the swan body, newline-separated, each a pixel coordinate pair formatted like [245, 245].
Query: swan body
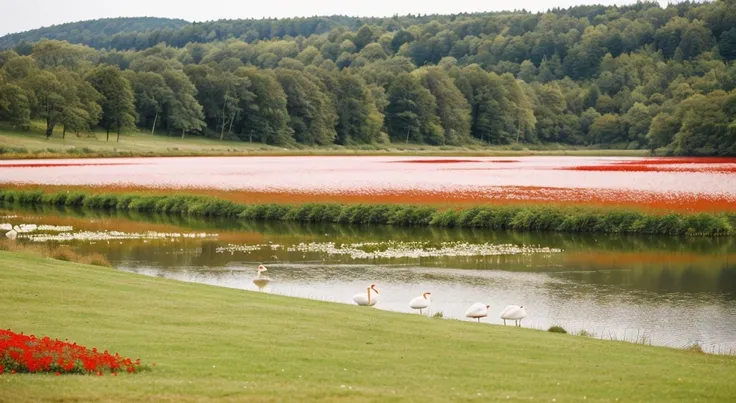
[368, 298]
[421, 303]
[515, 313]
[12, 234]
[261, 281]
[477, 311]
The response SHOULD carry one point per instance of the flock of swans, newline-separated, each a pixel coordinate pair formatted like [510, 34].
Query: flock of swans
[420, 303]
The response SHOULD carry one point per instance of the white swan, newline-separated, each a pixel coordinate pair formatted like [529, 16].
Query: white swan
[421, 303]
[366, 299]
[477, 311]
[261, 281]
[515, 313]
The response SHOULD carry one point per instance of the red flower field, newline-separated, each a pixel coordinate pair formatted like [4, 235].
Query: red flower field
[662, 184]
[21, 353]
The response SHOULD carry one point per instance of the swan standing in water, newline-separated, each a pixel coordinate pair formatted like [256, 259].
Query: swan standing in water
[477, 311]
[366, 299]
[261, 281]
[421, 303]
[515, 313]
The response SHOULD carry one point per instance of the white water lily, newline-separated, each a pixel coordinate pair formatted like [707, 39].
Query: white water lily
[112, 235]
[394, 250]
[55, 228]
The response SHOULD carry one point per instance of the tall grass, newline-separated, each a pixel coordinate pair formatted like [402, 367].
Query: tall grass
[55, 252]
[527, 218]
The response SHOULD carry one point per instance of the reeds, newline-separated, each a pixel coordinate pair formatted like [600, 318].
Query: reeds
[62, 253]
[522, 218]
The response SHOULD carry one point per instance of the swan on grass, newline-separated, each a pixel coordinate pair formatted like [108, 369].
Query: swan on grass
[477, 311]
[515, 313]
[421, 303]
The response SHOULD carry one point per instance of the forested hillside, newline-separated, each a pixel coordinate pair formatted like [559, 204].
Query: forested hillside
[94, 33]
[625, 77]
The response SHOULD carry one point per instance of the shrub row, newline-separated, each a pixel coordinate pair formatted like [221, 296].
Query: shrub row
[527, 218]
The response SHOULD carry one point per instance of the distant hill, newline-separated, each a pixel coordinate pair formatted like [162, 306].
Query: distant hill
[142, 33]
[94, 33]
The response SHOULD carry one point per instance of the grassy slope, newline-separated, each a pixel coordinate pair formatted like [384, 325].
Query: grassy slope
[224, 344]
[145, 144]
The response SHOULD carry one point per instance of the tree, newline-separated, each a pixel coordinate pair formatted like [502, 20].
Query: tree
[59, 54]
[662, 130]
[492, 117]
[410, 115]
[220, 94]
[527, 71]
[607, 129]
[82, 110]
[520, 106]
[183, 112]
[312, 111]
[707, 125]
[586, 121]
[151, 96]
[452, 107]
[549, 109]
[14, 105]
[267, 116]
[48, 98]
[364, 37]
[727, 44]
[118, 108]
[359, 120]
[638, 120]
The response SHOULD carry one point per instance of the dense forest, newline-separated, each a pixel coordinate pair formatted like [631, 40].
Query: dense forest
[637, 76]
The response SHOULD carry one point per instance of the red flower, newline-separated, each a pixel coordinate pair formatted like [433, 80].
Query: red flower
[30, 354]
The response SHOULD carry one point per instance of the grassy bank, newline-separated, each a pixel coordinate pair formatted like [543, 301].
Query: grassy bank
[33, 144]
[528, 218]
[212, 343]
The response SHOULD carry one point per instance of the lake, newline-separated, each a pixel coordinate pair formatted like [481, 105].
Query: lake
[659, 290]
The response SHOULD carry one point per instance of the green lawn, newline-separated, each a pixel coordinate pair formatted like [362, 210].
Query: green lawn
[34, 144]
[221, 344]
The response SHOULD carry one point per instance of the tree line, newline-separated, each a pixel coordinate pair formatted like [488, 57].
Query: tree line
[628, 77]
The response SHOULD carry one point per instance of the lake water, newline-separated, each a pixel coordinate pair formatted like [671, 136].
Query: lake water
[658, 290]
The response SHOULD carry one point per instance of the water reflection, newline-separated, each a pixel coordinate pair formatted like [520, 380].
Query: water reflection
[660, 290]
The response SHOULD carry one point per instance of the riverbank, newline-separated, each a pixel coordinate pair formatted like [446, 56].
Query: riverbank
[521, 218]
[212, 343]
[31, 145]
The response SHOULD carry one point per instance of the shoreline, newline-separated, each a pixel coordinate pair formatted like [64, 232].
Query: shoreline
[215, 341]
[541, 218]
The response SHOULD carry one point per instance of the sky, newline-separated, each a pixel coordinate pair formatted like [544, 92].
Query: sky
[24, 15]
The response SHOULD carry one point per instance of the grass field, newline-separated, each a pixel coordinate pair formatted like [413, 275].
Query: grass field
[222, 344]
[33, 144]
